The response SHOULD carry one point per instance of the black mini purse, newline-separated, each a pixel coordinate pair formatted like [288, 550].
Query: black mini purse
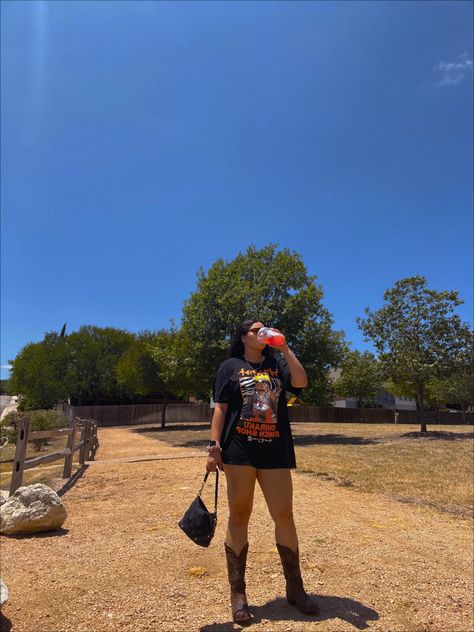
[198, 523]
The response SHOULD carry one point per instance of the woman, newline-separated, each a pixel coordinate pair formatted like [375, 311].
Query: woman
[251, 441]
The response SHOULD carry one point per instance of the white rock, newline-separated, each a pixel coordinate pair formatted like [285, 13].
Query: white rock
[3, 593]
[32, 509]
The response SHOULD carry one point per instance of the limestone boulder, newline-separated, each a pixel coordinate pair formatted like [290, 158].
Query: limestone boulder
[3, 593]
[32, 509]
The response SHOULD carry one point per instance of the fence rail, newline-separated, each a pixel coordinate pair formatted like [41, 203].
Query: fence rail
[131, 414]
[87, 446]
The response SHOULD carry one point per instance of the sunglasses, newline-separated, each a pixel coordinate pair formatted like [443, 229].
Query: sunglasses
[254, 330]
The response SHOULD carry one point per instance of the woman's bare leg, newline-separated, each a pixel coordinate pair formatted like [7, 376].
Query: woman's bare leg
[277, 488]
[278, 491]
[240, 490]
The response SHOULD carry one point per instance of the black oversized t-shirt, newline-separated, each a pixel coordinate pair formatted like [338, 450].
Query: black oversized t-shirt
[257, 429]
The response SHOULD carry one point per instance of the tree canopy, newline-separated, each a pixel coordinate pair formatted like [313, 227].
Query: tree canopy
[93, 355]
[361, 377]
[456, 387]
[80, 367]
[268, 285]
[136, 370]
[423, 348]
[169, 350]
[417, 335]
[39, 372]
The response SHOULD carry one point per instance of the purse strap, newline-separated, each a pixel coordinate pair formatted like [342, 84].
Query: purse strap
[206, 476]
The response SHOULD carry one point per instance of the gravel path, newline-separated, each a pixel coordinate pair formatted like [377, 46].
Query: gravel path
[122, 564]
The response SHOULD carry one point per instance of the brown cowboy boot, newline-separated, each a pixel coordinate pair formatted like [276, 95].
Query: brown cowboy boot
[236, 571]
[295, 592]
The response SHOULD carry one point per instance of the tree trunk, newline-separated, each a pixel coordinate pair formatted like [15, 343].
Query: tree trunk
[421, 405]
[463, 409]
[163, 410]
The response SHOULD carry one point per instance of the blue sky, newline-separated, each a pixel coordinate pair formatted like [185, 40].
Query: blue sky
[142, 140]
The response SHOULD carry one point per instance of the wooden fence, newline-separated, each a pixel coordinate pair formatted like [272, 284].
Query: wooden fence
[131, 414]
[87, 446]
[176, 412]
[316, 414]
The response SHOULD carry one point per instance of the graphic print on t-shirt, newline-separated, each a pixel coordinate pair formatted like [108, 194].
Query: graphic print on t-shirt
[260, 393]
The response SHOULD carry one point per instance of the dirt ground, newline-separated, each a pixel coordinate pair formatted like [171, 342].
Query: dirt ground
[121, 562]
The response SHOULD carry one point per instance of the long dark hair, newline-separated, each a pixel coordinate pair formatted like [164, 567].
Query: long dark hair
[236, 348]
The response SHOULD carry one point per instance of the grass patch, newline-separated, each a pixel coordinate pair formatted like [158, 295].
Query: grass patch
[436, 469]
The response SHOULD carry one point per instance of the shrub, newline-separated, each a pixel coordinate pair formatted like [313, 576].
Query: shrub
[26, 404]
[40, 420]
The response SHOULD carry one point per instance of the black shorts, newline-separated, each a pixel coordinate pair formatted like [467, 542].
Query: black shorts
[261, 455]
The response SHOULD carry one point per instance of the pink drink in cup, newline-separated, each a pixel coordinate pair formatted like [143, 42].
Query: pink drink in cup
[271, 336]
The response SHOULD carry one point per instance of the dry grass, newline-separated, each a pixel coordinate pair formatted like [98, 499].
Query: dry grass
[393, 460]
[121, 563]
[434, 470]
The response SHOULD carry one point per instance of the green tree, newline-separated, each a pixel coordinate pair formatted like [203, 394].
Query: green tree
[360, 377]
[456, 387]
[93, 354]
[417, 336]
[80, 366]
[268, 284]
[5, 388]
[38, 373]
[136, 370]
[170, 351]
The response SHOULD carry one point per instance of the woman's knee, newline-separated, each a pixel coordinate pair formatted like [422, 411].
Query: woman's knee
[239, 514]
[282, 515]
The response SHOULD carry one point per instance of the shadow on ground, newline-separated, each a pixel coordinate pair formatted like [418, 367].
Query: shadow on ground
[5, 624]
[169, 434]
[173, 428]
[47, 534]
[439, 434]
[299, 440]
[332, 439]
[332, 607]
[72, 481]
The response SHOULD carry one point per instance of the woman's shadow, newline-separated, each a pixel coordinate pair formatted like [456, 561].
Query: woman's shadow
[5, 624]
[332, 607]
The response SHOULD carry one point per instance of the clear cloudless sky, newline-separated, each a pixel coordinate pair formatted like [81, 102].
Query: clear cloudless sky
[143, 140]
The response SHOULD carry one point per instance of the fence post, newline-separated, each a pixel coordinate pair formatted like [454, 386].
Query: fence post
[70, 444]
[88, 440]
[93, 440]
[20, 453]
[82, 449]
